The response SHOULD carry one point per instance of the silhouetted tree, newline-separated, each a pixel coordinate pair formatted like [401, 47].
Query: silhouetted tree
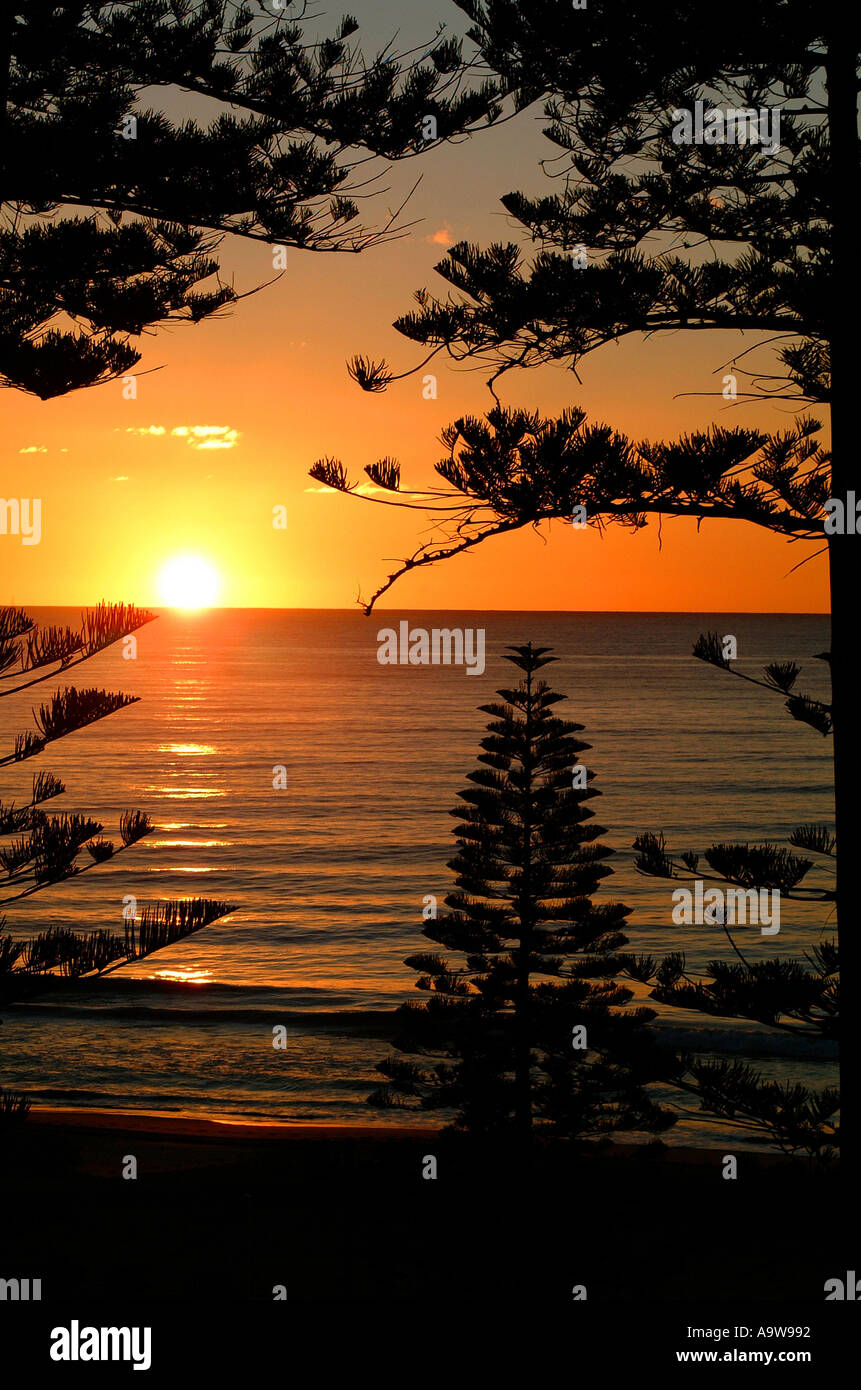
[524, 1030]
[643, 199]
[799, 997]
[515, 468]
[679, 235]
[38, 850]
[609, 265]
[285, 160]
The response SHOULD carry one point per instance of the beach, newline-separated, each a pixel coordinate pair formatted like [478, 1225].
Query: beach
[342, 1212]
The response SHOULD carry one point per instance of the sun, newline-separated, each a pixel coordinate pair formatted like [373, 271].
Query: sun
[188, 582]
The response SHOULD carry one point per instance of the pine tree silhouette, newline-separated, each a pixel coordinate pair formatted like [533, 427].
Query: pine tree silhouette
[800, 997]
[681, 236]
[280, 155]
[525, 1031]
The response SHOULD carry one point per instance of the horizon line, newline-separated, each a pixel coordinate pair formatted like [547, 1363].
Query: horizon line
[164, 609]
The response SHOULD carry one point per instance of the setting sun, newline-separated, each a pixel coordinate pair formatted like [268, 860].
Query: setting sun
[188, 582]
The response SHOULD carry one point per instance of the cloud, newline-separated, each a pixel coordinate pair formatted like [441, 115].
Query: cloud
[34, 449]
[441, 237]
[207, 436]
[363, 490]
[195, 436]
[120, 478]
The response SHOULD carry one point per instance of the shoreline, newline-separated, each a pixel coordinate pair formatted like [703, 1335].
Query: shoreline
[192, 1126]
[175, 1132]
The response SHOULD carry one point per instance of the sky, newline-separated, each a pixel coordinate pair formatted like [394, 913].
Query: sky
[230, 414]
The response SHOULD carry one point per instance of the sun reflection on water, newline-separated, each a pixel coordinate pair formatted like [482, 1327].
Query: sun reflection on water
[188, 750]
[191, 975]
[185, 793]
[188, 844]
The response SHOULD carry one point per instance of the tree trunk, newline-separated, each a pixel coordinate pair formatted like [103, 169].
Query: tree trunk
[845, 550]
[6, 22]
[522, 1069]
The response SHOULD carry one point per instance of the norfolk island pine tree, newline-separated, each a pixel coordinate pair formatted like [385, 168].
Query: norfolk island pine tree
[88, 120]
[798, 279]
[797, 996]
[525, 1034]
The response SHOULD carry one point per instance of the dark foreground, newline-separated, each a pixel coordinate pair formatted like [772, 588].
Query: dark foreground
[343, 1213]
[224, 1215]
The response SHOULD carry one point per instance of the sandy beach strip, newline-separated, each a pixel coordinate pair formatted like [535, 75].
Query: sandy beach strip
[174, 1134]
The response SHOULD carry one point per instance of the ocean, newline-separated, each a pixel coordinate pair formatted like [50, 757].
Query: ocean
[329, 871]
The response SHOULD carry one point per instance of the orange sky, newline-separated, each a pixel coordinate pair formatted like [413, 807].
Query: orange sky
[120, 499]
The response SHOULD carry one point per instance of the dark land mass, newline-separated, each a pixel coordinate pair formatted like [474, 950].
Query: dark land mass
[344, 1213]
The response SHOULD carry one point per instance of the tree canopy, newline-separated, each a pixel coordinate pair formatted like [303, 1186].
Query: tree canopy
[293, 132]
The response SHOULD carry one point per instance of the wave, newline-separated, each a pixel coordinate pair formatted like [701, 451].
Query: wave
[367, 1022]
[381, 1023]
